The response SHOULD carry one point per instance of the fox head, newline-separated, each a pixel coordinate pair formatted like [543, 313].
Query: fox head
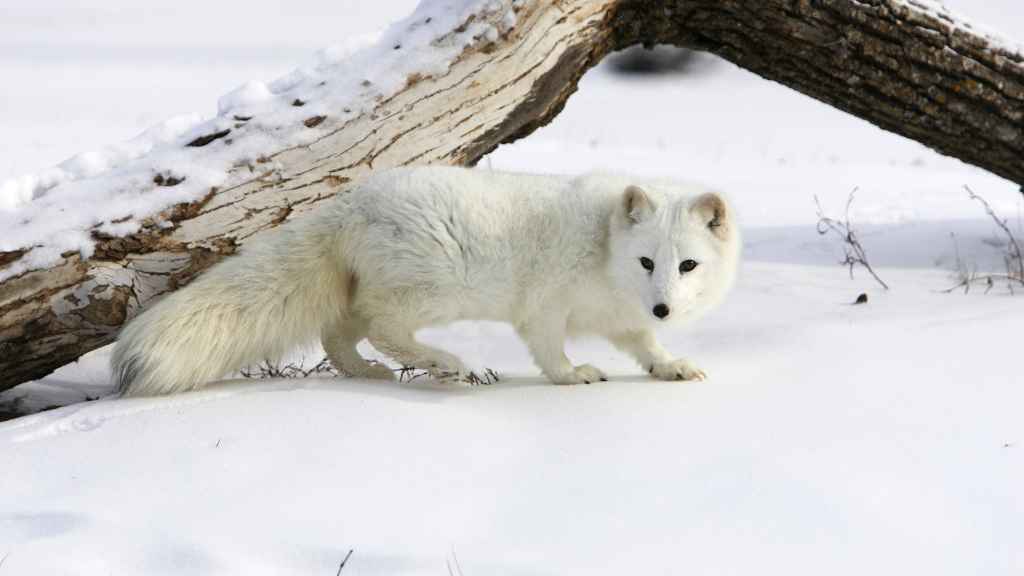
[674, 255]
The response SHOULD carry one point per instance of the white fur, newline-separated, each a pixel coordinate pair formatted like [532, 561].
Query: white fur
[409, 248]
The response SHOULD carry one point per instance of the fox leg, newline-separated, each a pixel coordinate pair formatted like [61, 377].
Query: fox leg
[397, 340]
[339, 340]
[643, 345]
[545, 337]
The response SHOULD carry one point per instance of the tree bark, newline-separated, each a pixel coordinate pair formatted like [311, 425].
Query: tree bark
[900, 64]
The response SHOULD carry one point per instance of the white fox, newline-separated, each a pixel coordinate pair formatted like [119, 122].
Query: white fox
[408, 248]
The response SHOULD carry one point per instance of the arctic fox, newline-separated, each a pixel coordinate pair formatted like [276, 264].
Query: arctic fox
[554, 256]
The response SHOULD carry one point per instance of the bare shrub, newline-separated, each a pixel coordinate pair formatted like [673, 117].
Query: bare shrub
[1013, 259]
[484, 378]
[278, 369]
[853, 249]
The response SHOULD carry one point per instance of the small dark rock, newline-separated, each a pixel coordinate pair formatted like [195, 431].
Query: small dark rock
[314, 121]
[167, 180]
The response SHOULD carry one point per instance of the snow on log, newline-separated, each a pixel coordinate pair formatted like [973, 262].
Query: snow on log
[88, 243]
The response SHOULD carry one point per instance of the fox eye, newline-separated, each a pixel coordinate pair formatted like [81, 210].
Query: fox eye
[687, 266]
[647, 263]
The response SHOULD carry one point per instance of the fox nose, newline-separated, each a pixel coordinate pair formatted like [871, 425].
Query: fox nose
[661, 311]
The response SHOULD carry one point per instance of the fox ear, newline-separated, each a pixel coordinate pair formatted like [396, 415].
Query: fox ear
[636, 205]
[711, 209]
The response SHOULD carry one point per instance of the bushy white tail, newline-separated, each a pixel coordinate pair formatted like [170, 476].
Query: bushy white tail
[275, 295]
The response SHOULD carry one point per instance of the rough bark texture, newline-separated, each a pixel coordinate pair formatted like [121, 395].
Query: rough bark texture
[901, 66]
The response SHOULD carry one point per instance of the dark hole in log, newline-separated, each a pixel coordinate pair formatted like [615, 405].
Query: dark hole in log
[204, 140]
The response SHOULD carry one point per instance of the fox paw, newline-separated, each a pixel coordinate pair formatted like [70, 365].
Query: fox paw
[378, 371]
[447, 370]
[677, 370]
[371, 370]
[583, 374]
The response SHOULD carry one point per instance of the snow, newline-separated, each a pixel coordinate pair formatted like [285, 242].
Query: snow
[830, 437]
[938, 10]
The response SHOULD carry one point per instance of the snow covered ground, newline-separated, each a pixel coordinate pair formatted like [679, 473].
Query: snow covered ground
[830, 438]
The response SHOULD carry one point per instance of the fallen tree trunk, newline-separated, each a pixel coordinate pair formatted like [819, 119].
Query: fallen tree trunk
[904, 65]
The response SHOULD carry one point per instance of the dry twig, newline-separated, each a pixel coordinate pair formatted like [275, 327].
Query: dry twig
[274, 369]
[854, 250]
[1013, 258]
[345, 561]
[454, 568]
[409, 373]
